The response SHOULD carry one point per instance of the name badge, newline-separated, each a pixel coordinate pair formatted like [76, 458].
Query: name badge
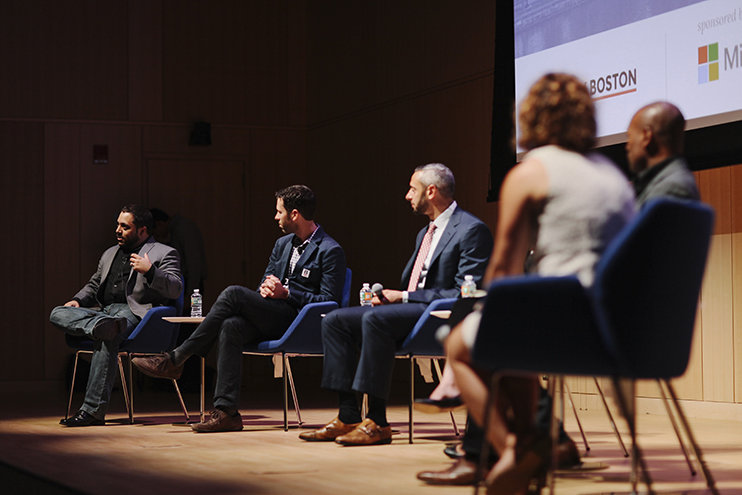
[305, 273]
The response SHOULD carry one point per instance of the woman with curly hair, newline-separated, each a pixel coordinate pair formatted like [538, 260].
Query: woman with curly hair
[564, 205]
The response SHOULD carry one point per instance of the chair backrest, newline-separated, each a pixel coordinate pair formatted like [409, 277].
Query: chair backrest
[647, 285]
[153, 334]
[345, 301]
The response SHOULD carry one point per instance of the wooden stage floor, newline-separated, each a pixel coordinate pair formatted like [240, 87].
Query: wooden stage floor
[154, 456]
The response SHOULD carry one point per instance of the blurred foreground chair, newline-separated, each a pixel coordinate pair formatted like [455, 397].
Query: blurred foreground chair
[636, 322]
[152, 335]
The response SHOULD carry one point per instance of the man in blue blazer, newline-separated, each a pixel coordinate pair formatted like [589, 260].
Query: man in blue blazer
[132, 276]
[306, 265]
[453, 245]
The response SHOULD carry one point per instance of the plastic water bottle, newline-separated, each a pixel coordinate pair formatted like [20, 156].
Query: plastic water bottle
[196, 304]
[468, 288]
[366, 295]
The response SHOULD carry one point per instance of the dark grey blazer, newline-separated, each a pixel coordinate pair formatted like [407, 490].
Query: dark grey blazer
[464, 249]
[140, 294]
[671, 178]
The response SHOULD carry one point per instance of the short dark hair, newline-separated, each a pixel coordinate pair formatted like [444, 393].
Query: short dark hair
[299, 198]
[142, 216]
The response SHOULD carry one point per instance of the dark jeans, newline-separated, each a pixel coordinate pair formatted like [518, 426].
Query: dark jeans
[103, 365]
[378, 332]
[239, 316]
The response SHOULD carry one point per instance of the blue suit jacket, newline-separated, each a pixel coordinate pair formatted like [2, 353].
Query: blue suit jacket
[319, 274]
[464, 249]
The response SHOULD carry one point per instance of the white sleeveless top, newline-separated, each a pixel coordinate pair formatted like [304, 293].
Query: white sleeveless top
[589, 201]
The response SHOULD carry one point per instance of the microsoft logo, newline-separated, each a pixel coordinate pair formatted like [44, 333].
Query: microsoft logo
[708, 63]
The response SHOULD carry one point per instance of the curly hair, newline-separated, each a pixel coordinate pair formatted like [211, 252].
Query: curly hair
[557, 110]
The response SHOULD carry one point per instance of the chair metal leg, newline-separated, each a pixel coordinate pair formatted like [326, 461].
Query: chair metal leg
[628, 410]
[285, 394]
[180, 398]
[556, 390]
[202, 388]
[293, 391]
[691, 438]
[610, 418]
[127, 398]
[674, 424]
[577, 417]
[72, 385]
[412, 397]
[436, 364]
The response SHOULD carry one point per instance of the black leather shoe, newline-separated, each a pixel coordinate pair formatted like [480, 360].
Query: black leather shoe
[442, 405]
[82, 418]
[454, 451]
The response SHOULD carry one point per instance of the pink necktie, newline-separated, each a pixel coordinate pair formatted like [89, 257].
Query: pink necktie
[422, 254]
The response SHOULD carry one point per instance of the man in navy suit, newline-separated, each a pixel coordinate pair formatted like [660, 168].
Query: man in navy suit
[454, 244]
[306, 265]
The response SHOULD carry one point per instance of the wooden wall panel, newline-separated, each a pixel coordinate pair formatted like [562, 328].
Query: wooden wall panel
[690, 385]
[62, 235]
[145, 60]
[105, 188]
[736, 197]
[228, 62]
[64, 59]
[22, 250]
[212, 194]
[277, 159]
[714, 186]
[716, 314]
[737, 312]
[392, 50]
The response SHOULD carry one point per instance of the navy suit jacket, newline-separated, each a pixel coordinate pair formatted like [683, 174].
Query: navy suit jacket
[464, 249]
[319, 274]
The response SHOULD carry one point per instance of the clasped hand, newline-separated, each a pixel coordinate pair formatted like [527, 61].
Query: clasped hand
[272, 288]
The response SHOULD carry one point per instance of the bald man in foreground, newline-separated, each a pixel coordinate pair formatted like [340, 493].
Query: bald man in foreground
[654, 150]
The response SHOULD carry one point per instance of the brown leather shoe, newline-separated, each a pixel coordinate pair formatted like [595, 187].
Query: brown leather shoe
[159, 366]
[329, 432]
[219, 421]
[461, 472]
[367, 433]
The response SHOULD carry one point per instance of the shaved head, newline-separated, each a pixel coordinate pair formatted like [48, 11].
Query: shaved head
[655, 133]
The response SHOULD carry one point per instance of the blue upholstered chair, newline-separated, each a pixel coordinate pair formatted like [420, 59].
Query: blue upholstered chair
[636, 322]
[421, 343]
[152, 335]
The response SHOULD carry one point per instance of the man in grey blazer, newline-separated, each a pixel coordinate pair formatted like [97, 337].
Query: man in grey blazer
[132, 277]
[654, 149]
[306, 265]
[454, 244]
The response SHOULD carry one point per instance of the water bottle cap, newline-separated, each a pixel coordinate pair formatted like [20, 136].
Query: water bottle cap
[365, 284]
[468, 277]
[195, 290]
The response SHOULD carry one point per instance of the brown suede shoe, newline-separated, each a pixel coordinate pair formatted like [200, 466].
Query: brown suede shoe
[219, 421]
[462, 472]
[159, 366]
[329, 432]
[367, 433]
